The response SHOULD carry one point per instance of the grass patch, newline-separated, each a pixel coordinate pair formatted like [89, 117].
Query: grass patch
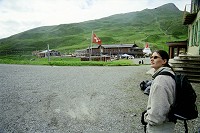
[61, 61]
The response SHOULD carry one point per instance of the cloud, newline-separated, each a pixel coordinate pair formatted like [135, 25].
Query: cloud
[86, 4]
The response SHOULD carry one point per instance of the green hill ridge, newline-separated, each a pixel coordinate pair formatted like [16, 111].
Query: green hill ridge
[156, 26]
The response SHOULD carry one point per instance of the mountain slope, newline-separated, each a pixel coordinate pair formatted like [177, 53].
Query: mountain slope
[156, 26]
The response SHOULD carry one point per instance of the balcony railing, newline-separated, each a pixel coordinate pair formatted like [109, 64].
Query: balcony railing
[189, 14]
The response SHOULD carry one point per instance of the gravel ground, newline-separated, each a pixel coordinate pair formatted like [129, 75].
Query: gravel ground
[45, 99]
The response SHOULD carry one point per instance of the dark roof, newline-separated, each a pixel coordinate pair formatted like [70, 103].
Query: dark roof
[176, 43]
[116, 46]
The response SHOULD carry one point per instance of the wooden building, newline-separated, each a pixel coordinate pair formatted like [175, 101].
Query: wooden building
[176, 48]
[116, 49]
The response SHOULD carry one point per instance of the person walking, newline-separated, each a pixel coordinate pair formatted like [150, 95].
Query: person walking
[161, 97]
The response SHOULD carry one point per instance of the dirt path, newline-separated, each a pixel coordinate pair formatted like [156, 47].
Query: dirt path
[72, 99]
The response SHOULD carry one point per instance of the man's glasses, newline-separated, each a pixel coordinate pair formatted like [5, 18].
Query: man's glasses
[154, 57]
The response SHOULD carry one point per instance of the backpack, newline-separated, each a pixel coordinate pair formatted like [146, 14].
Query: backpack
[184, 107]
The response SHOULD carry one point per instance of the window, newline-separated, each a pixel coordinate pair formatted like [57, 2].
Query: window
[198, 33]
[195, 34]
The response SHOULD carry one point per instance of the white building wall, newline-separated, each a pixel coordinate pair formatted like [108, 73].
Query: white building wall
[194, 37]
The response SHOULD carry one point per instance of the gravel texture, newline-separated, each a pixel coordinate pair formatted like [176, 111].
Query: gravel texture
[46, 99]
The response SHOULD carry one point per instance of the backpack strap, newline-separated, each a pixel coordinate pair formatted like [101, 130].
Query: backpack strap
[143, 122]
[185, 125]
[167, 73]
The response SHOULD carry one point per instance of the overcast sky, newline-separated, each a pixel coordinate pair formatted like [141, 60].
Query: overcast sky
[20, 15]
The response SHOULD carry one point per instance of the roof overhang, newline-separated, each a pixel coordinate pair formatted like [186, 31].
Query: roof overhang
[177, 43]
[189, 18]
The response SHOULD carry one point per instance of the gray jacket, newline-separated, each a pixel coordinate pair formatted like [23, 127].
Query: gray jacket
[161, 97]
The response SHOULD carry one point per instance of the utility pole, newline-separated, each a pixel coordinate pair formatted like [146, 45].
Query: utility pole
[90, 58]
[48, 54]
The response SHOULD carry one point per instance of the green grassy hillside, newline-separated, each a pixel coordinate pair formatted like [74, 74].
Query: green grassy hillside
[156, 26]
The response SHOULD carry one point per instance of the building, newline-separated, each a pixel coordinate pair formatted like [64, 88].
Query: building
[187, 60]
[45, 53]
[192, 20]
[147, 50]
[82, 52]
[176, 48]
[116, 49]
